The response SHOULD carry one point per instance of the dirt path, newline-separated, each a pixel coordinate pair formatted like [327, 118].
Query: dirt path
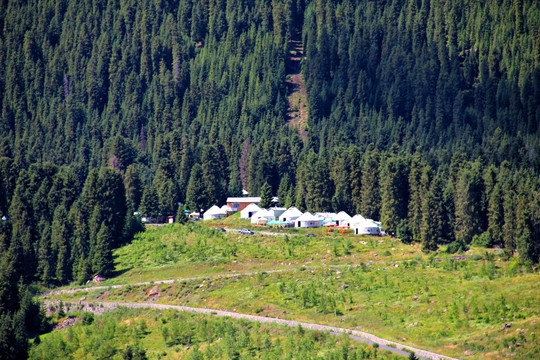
[156, 282]
[298, 111]
[100, 307]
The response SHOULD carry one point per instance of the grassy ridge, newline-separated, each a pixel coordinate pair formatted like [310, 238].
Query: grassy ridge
[456, 307]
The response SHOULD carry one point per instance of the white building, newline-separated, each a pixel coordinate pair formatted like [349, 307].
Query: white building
[214, 213]
[308, 220]
[248, 212]
[291, 214]
[261, 217]
[355, 219]
[342, 218]
[227, 210]
[277, 211]
[366, 227]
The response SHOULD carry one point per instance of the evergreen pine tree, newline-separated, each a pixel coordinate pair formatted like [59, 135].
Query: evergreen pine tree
[61, 240]
[394, 194]
[181, 216]
[468, 203]
[496, 215]
[149, 203]
[133, 187]
[266, 196]
[102, 261]
[433, 217]
[196, 197]
[371, 200]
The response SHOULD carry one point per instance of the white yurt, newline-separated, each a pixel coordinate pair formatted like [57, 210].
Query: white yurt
[277, 211]
[261, 217]
[342, 218]
[291, 215]
[249, 210]
[308, 220]
[366, 227]
[354, 220]
[214, 213]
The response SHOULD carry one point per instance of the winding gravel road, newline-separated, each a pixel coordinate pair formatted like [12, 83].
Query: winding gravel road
[100, 306]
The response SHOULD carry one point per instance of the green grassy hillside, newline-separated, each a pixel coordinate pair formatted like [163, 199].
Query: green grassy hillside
[454, 305]
[156, 334]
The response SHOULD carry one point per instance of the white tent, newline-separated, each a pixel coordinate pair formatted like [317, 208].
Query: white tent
[326, 215]
[308, 220]
[354, 220]
[366, 227]
[214, 213]
[227, 209]
[277, 211]
[342, 218]
[262, 216]
[249, 210]
[291, 214]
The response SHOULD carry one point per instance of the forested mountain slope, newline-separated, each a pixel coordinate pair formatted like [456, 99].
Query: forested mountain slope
[164, 92]
[426, 74]
[424, 114]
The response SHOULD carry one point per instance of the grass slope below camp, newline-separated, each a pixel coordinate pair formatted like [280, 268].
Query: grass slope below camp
[454, 306]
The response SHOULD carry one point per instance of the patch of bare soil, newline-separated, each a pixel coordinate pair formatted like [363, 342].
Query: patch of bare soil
[297, 112]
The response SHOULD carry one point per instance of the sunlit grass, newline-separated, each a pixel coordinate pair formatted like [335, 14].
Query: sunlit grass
[171, 334]
[376, 284]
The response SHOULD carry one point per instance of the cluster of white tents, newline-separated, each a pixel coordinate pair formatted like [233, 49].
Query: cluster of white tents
[292, 217]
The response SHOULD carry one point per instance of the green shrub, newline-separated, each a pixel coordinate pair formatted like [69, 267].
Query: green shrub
[456, 246]
[87, 318]
[404, 232]
[483, 240]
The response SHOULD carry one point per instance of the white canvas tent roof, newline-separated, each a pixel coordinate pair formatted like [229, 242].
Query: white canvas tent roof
[214, 212]
[342, 216]
[291, 212]
[262, 214]
[226, 208]
[366, 223]
[307, 216]
[356, 219]
[251, 208]
[277, 211]
[326, 215]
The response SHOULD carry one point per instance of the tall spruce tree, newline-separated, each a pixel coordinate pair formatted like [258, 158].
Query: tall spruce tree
[102, 260]
[266, 196]
[433, 215]
[61, 240]
[468, 203]
[196, 196]
[150, 203]
[394, 193]
[371, 199]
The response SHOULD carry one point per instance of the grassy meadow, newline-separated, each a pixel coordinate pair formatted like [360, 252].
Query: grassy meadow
[454, 305]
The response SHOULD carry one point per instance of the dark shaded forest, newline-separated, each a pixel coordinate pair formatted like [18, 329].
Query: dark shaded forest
[424, 114]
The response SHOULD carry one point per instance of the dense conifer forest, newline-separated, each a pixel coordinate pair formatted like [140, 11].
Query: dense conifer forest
[422, 113]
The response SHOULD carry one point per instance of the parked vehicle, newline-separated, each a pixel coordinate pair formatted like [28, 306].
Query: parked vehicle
[246, 232]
